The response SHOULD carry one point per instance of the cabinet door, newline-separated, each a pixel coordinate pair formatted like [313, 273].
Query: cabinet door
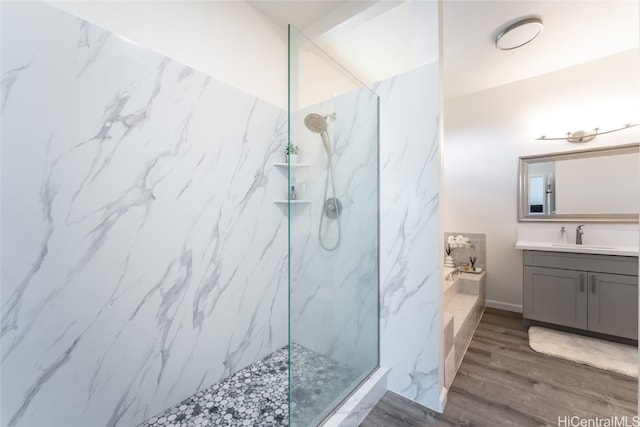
[555, 296]
[613, 304]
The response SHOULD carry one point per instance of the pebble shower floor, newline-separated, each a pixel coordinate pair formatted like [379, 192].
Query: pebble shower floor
[258, 394]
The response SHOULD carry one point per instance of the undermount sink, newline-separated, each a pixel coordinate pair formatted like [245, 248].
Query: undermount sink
[572, 245]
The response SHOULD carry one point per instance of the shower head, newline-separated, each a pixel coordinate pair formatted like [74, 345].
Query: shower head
[318, 124]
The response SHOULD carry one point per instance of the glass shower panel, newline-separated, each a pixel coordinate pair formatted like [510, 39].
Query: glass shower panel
[333, 232]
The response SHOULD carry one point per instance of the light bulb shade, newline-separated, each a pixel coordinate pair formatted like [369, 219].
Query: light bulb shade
[582, 136]
[519, 34]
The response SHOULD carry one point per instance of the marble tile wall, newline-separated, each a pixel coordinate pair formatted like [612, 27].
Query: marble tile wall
[334, 293]
[410, 233]
[142, 255]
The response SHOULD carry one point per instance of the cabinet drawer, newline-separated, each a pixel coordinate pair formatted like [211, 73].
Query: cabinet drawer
[615, 264]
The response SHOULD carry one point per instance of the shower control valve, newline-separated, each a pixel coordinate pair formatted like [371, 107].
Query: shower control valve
[332, 207]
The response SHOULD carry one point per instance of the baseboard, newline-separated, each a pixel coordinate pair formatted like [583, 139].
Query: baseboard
[504, 306]
[442, 401]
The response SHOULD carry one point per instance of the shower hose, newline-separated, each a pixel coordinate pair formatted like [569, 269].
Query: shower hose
[335, 206]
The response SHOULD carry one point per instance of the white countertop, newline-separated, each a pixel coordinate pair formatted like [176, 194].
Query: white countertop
[581, 249]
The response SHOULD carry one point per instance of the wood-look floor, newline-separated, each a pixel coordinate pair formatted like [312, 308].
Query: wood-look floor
[502, 382]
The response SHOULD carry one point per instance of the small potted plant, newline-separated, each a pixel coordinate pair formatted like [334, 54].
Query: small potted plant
[291, 152]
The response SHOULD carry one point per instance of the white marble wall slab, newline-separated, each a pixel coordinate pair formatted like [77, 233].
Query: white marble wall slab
[142, 255]
[334, 293]
[410, 239]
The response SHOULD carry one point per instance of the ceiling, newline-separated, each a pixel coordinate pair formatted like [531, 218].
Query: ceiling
[575, 31]
[313, 17]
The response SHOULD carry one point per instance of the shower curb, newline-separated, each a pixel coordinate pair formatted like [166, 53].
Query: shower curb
[354, 410]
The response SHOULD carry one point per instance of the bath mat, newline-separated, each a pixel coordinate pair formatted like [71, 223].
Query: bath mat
[611, 356]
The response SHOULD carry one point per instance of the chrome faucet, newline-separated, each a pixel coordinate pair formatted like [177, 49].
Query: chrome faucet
[579, 233]
[455, 271]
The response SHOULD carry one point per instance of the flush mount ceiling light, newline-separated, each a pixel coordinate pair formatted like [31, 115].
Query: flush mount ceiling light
[519, 34]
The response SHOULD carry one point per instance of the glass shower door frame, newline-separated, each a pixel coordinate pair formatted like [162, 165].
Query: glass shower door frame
[358, 95]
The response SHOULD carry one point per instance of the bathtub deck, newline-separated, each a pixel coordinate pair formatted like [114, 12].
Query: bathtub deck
[464, 302]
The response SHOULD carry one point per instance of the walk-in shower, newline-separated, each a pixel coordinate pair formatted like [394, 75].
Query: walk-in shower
[158, 275]
[332, 206]
[332, 258]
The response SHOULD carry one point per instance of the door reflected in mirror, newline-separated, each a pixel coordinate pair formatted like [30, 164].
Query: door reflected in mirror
[542, 188]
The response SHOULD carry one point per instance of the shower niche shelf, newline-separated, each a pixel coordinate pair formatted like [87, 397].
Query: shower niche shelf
[293, 165]
[293, 202]
[283, 204]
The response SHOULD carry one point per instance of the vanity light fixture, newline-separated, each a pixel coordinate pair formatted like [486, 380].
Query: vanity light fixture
[583, 135]
[519, 34]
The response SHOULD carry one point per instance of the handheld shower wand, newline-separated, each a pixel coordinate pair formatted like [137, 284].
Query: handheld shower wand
[318, 124]
[332, 207]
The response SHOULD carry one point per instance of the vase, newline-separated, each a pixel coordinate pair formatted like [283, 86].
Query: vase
[291, 158]
[448, 261]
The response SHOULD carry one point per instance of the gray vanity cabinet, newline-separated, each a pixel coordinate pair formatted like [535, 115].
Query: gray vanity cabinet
[597, 293]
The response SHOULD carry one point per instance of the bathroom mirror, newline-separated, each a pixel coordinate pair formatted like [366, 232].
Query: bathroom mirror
[595, 185]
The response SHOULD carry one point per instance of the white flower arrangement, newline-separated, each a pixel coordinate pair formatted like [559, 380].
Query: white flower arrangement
[457, 242]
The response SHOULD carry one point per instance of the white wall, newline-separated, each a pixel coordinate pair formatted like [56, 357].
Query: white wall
[229, 40]
[373, 46]
[394, 42]
[486, 132]
[315, 76]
